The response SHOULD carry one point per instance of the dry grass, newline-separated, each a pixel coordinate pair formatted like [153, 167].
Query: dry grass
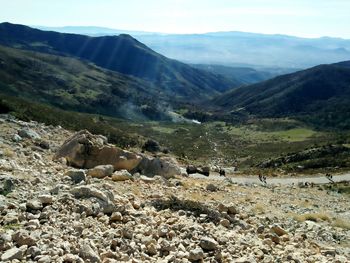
[9, 153]
[315, 217]
[341, 223]
[259, 209]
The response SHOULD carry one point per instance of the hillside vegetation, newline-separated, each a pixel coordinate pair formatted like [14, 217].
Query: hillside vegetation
[71, 84]
[215, 143]
[123, 54]
[319, 96]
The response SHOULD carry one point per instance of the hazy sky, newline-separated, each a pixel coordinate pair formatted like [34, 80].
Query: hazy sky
[309, 18]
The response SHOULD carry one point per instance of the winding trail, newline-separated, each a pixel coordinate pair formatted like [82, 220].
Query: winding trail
[277, 181]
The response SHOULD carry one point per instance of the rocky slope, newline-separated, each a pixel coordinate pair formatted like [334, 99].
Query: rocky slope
[50, 212]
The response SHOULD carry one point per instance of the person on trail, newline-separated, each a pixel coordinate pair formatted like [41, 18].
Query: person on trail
[222, 172]
[330, 177]
[264, 179]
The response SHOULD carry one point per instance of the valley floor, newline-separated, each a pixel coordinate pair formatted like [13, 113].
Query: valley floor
[46, 217]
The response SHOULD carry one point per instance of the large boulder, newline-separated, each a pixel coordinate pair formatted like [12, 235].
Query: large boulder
[165, 166]
[84, 150]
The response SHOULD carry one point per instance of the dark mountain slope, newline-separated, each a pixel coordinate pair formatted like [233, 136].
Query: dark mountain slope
[71, 84]
[123, 54]
[320, 95]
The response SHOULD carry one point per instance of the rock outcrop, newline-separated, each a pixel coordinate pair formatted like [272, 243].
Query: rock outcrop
[84, 150]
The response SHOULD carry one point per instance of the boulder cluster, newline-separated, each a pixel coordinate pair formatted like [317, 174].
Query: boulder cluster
[59, 204]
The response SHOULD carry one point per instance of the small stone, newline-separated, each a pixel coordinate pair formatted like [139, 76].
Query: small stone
[328, 252]
[232, 210]
[29, 133]
[16, 138]
[127, 233]
[101, 171]
[222, 208]
[147, 180]
[244, 260]
[46, 199]
[14, 253]
[275, 238]
[208, 243]
[260, 229]
[44, 145]
[10, 218]
[163, 230]
[196, 254]
[45, 259]
[33, 224]
[72, 258]
[22, 237]
[181, 213]
[34, 205]
[278, 230]
[152, 249]
[136, 204]
[122, 175]
[116, 217]
[76, 176]
[88, 254]
[33, 251]
[225, 223]
[212, 188]
[37, 156]
[166, 245]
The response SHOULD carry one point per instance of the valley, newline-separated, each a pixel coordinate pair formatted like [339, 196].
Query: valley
[113, 152]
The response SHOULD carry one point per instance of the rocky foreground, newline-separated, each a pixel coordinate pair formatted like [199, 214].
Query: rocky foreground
[51, 212]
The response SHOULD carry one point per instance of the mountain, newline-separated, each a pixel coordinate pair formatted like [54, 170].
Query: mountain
[91, 30]
[237, 49]
[71, 84]
[249, 49]
[123, 54]
[244, 75]
[319, 95]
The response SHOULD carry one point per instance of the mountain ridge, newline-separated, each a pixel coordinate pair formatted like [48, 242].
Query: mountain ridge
[71, 84]
[123, 54]
[320, 95]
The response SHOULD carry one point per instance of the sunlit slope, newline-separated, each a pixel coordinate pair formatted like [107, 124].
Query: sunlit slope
[123, 54]
[320, 95]
[71, 84]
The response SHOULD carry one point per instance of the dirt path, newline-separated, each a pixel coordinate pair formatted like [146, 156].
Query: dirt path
[280, 181]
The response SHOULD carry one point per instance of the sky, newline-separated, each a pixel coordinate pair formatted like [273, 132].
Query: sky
[305, 18]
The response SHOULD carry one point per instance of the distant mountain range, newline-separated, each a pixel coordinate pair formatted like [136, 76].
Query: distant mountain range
[91, 30]
[122, 54]
[237, 49]
[244, 75]
[319, 95]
